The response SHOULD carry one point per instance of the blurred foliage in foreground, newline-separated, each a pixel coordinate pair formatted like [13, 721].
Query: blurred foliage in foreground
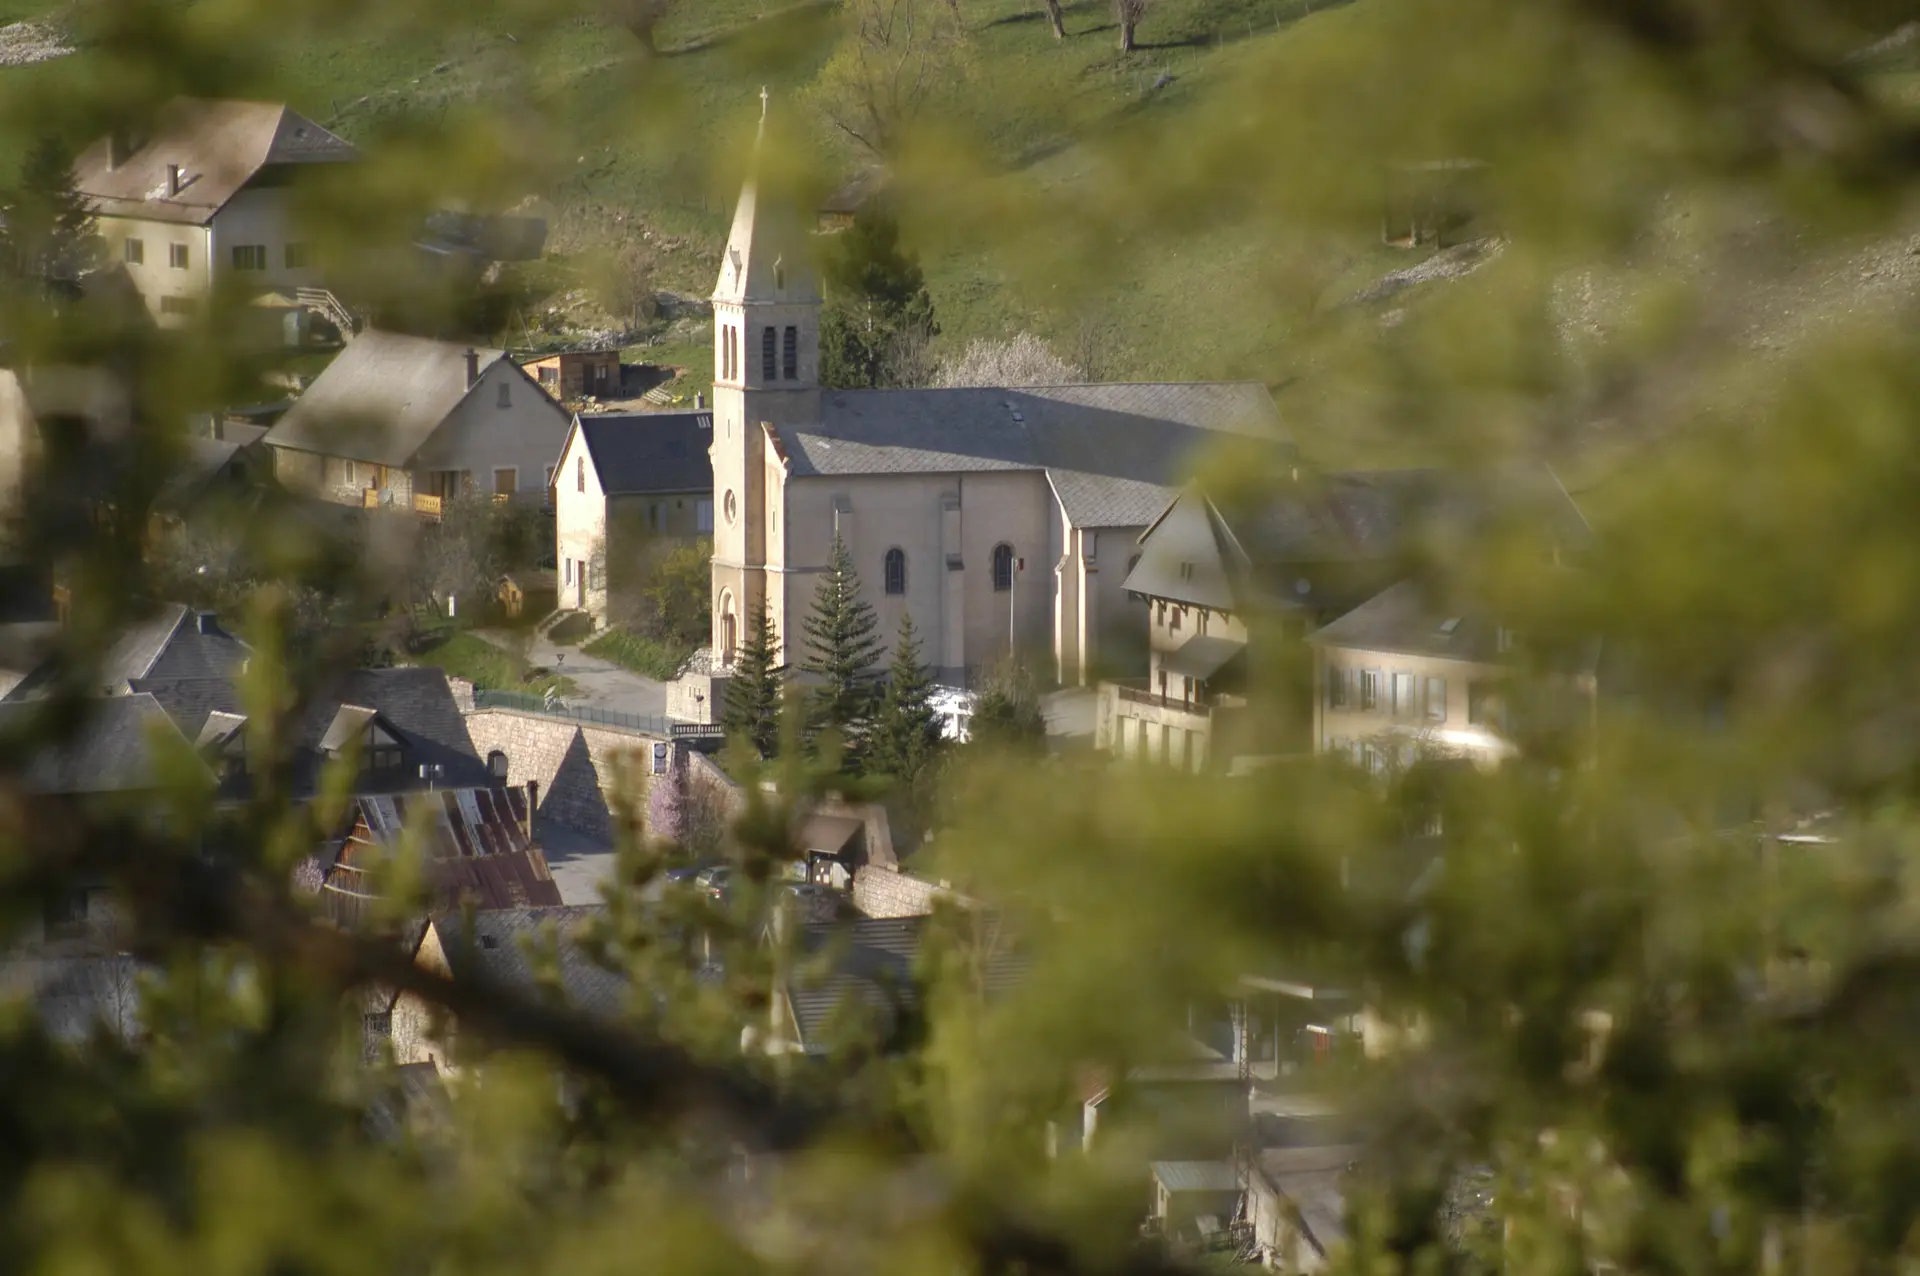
[1750, 1103]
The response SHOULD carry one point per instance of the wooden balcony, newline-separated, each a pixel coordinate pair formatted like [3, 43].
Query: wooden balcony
[429, 507]
[1137, 691]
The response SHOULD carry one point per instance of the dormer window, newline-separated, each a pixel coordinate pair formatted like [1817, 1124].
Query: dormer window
[382, 752]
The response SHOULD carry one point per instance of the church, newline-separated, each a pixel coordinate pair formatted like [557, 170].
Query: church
[997, 517]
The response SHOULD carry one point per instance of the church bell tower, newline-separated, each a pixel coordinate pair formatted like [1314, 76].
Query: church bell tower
[766, 371]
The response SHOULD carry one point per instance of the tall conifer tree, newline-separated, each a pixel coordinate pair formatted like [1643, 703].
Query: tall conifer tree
[49, 235]
[842, 638]
[906, 730]
[753, 696]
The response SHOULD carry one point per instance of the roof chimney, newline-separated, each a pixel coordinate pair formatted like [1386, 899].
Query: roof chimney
[209, 622]
[119, 148]
[473, 367]
[173, 179]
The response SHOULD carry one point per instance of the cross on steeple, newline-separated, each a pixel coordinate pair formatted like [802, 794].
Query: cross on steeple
[764, 95]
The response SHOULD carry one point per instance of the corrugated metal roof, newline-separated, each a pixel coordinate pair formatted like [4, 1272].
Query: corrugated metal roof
[1197, 1176]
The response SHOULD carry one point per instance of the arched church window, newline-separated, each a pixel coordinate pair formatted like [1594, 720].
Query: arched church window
[790, 356]
[769, 371]
[1002, 567]
[896, 573]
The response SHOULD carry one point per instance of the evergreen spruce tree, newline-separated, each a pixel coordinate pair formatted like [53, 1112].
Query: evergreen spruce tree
[753, 696]
[906, 730]
[49, 238]
[840, 629]
[1007, 712]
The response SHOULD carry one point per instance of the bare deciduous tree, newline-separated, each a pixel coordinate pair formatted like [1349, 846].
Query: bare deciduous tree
[896, 55]
[641, 18]
[1055, 18]
[1022, 359]
[1129, 13]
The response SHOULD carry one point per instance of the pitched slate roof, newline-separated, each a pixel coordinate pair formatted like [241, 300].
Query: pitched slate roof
[872, 964]
[380, 399]
[1111, 452]
[111, 752]
[638, 452]
[1403, 618]
[219, 146]
[175, 642]
[1190, 555]
[416, 702]
[491, 944]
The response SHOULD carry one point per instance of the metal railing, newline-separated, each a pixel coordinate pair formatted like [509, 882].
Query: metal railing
[331, 307]
[554, 707]
[1137, 695]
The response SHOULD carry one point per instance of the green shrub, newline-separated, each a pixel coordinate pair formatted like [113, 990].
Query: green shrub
[643, 655]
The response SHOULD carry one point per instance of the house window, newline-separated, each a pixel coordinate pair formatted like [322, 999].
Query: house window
[896, 572]
[353, 477]
[135, 251]
[385, 757]
[580, 474]
[1403, 685]
[1483, 708]
[177, 306]
[506, 482]
[703, 516]
[298, 257]
[653, 517]
[249, 256]
[1370, 690]
[505, 399]
[1337, 688]
[549, 376]
[1200, 623]
[790, 355]
[177, 256]
[769, 369]
[1002, 567]
[1179, 614]
[1436, 700]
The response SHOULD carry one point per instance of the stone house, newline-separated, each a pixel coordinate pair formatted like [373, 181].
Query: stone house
[996, 517]
[409, 422]
[203, 199]
[625, 486]
[493, 945]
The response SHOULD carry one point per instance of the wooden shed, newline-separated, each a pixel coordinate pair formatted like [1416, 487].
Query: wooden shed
[536, 590]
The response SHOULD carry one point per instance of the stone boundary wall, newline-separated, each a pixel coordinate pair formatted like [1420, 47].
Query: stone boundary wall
[882, 892]
[579, 767]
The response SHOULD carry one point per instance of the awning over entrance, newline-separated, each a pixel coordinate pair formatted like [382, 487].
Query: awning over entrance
[828, 834]
[1202, 657]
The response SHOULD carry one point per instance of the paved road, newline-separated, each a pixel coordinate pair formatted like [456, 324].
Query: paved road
[603, 684]
[579, 863]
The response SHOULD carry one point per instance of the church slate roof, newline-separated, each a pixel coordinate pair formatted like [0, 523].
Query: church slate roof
[1112, 453]
[641, 452]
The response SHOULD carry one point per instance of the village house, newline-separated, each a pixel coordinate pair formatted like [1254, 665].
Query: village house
[493, 945]
[575, 375]
[204, 200]
[625, 486]
[1292, 589]
[410, 422]
[999, 518]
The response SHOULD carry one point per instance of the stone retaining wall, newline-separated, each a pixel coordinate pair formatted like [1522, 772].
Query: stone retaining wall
[881, 892]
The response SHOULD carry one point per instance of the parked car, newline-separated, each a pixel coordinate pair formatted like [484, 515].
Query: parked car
[713, 879]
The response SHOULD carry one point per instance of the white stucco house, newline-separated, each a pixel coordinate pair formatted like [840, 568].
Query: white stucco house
[628, 485]
[402, 421]
[999, 518]
[204, 199]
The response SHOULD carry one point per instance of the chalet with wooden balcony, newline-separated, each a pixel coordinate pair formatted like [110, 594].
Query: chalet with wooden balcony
[409, 423]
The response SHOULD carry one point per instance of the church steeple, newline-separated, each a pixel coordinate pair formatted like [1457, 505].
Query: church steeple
[766, 372]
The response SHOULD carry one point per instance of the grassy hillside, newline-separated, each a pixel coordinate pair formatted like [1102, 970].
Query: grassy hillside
[632, 154]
